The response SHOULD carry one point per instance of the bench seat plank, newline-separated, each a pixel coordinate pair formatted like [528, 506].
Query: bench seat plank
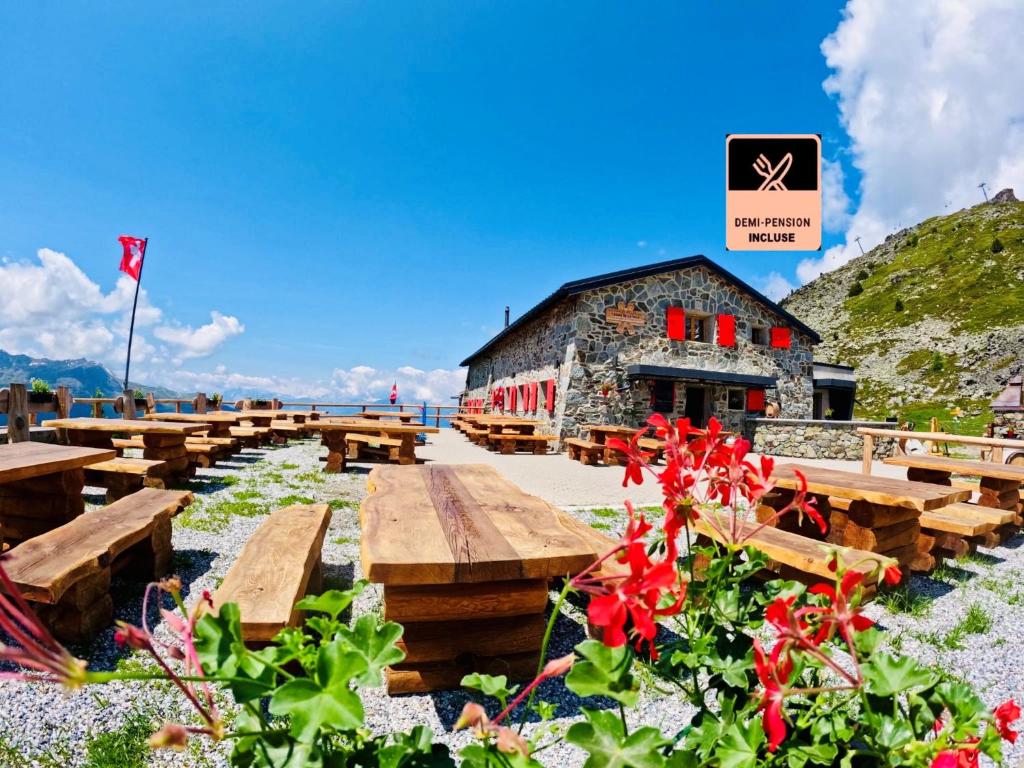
[278, 565]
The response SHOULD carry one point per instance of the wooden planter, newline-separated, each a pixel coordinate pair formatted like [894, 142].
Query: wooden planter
[42, 398]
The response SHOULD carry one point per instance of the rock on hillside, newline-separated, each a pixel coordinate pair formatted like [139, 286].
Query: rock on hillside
[934, 315]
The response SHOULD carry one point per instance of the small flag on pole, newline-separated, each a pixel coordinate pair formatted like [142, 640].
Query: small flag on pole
[394, 393]
[134, 252]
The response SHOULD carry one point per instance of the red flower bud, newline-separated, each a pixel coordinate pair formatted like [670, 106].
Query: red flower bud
[558, 667]
[893, 575]
[170, 736]
[509, 742]
[473, 716]
[133, 637]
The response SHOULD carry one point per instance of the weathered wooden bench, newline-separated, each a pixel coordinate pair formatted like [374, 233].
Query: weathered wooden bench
[509, 443]
[654, 446]
[250, 437]
[200, 454]
[797, 557]
[583, 451]
[278, 566]
[67, 570]
[281, 431]
[123, 476]
[478, 436]
[356, 444]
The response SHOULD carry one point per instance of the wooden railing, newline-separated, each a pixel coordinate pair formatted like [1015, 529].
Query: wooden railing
[995, 445]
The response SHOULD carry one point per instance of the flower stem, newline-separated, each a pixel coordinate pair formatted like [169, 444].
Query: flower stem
[555, 611]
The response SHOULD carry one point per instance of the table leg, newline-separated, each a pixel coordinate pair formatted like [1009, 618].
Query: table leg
[31, 507]
[335, 442]
[888, 531]
[407, 453]
[171, 450]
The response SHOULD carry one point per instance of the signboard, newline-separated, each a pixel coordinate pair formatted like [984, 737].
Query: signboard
[773, 192]
[625, 317]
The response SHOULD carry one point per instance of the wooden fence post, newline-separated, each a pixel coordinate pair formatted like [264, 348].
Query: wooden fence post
[150, 403]
[17, 415]
[869, 450]
[64, 402]
[128, 404]
[200, 404]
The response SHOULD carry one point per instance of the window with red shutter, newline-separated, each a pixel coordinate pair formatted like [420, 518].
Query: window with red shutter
[755, 399]
[512, 399]
[533, 396]
[676, 319]
[549, 395]
[780, 337]
[727, 330]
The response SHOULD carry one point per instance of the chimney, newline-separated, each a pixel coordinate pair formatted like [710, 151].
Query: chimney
[506, 316]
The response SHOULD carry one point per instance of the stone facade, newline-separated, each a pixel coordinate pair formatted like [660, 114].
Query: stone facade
[813, 439]
[587, 356]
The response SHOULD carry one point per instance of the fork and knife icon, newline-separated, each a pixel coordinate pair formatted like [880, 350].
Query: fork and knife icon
[773, 176]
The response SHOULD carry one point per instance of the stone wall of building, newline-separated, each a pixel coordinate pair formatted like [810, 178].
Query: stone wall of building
[587, 355]
[813, 439]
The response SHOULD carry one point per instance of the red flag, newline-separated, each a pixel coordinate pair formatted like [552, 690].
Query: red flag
[134, 252]
[394, 393]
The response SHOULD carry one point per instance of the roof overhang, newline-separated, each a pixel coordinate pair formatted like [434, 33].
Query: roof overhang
[835, 384]
[718, 377]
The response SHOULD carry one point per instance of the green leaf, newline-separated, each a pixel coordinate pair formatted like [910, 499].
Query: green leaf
[287, 754]
[739, 745]
[218, 642]
[888, 676]
[333, 601]
[603, 671]
[415, 749]
[733, 671]
[490, 685]
[376, 644]
[326, 701]
[816, 754]
[605, 740]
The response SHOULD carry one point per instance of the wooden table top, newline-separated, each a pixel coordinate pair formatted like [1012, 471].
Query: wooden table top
[363, 425]
[612, 429]
[133, 426]
[443, 524]
[20, 461]
[220, 417]
[887, 491]
[405, 415]
[959, 466]
[262, 414]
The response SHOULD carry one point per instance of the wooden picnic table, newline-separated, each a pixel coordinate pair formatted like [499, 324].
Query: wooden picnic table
[465, 557]
[333, 431]
[162, 440]
[599, 433]
[41, 486]
[403, 416]
[220, 423]
[1000, 483]
[883, 514]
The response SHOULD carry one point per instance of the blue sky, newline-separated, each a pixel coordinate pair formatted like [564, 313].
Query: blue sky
[367, 184]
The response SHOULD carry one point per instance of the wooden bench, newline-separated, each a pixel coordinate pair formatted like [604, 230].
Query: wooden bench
[278, 566]
[281, 431]
[509, 443]
[583, 451]
[654, 446]
[797, 557]
[356, 443]
[478, 436]
[200, 454]
[67, 570]
[250, 437]
[123, 476]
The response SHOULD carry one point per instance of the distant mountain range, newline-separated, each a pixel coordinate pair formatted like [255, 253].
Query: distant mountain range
[84, 377]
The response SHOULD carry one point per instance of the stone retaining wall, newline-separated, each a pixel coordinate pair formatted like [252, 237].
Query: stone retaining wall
[815, 439]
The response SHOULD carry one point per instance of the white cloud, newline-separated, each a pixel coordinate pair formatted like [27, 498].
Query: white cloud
[362, 382]
[775, 286]
[201, 341]
[51, 308]
[930, 95]
[835, 205]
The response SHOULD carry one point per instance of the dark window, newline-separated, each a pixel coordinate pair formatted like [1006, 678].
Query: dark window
[737, 400]
[698, 328]
[664, 396]
[759, 335]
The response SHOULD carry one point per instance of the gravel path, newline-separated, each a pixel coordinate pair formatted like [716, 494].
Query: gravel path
[45, 726]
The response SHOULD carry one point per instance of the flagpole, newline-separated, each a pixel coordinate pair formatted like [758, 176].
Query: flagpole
[135, 303]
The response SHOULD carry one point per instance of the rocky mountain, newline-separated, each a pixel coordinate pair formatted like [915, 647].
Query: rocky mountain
[933, 318]
[84, 377]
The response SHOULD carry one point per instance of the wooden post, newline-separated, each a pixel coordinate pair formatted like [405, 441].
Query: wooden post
[97, 410]
[996, 455]
[64, 402]
[17, 415]
[869, 450]
[200, 402]
[177, 406]
[150, 403]
[128, 404]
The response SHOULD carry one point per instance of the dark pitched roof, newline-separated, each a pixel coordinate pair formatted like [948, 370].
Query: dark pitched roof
[611, 278]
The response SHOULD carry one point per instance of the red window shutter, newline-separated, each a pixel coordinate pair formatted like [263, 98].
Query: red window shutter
[755, 399]
[676, 319]
[549, 395]
[727, 330]
[780, 337]
[512, 399]
[533, 396]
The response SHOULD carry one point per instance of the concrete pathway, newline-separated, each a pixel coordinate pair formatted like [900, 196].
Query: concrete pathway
[566, 483]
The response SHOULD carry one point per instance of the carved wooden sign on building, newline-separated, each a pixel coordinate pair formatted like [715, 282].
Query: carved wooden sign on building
[625, 317]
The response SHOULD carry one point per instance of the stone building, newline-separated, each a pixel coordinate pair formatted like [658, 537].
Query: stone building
[681, 337]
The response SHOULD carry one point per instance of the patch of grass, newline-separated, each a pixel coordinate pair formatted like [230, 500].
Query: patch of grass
[229, 480]
[931, 638]
[275, 478]
[213, 517]
[601, 526]
[247, 495]
[607, 512]
[905, 601]
[313, 476]
[345, 540]
[289, 465]
[58, 756]
[336, 504]
[126, 747]
[977, 621]
[287, 501]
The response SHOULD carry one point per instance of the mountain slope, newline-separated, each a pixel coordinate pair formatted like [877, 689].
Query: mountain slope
[84, 377]
[932, 318]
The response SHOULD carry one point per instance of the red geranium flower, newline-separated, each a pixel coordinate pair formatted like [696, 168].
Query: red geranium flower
[842, 614]
[1006, 714]
[774, 675]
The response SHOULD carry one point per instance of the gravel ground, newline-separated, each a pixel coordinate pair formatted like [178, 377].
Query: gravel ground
[45, 726]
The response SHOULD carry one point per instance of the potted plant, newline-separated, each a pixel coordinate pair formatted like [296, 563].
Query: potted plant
[829, 414]
[98, 393]
[214, 401]
[40, 393]
[140, 399]
[258, 404]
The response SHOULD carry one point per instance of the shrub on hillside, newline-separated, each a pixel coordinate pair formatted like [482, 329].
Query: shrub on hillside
[997, 246]
[863, 275]
[856, 289]
[899, 304]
